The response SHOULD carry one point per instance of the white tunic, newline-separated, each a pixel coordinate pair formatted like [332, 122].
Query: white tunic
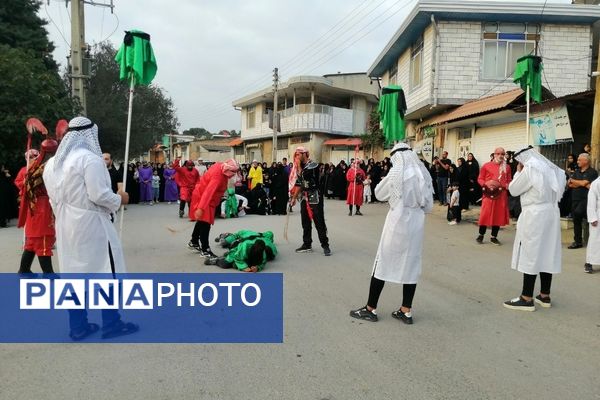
[82, 200]
[400, 248]
[592, 255]
[537, 246]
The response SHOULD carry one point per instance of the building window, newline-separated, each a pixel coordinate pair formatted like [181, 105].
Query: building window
[393, 75]
[464, 133]
[250, 117]
[416, 64]
[503, 45]
[282, 143]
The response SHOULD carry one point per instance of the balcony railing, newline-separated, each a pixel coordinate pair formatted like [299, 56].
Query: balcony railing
[308, 118]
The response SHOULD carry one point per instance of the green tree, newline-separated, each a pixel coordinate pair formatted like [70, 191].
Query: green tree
[153, 115]
[30, 85]
[374, 137]
[200, 133]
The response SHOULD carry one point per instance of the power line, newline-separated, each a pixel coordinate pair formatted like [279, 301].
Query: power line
[220, 110]
[344, 21]
[56, 26]
[359, 38]
[324, 45]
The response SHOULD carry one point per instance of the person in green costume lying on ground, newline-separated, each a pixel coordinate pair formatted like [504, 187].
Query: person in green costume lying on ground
[249, 251]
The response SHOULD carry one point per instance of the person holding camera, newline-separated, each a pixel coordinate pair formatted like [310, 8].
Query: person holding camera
[442, 169]
[355, 177]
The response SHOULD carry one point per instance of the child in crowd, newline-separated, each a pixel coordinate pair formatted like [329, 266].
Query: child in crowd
[155, 186]
[454, 205]
[367, 189]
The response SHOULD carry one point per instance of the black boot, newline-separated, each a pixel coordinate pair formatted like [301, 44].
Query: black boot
[26, 261]
[46, 264]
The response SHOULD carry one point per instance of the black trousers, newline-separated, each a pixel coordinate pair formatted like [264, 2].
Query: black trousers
[579, 212]
[529, 283]
[457, 213]
[200, 234]
[182, 205]
[408, 293]
[27, 260]
[495, 230]
[318, 219]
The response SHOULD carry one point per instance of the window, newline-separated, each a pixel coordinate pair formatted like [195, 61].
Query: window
[464, 133]
[393, 75]
[250, 117]
[282, 143]
[503, 45]
[416, 63]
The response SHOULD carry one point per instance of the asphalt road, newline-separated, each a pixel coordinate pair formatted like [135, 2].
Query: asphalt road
[463, 345]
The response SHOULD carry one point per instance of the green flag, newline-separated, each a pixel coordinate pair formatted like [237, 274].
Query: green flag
[136, 56]
[391, 109]
[528, 72]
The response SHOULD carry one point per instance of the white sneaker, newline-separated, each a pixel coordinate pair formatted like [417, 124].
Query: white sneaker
[452, 223]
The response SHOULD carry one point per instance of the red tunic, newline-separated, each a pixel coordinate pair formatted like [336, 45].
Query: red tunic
[208, 193]
[356, 190]
[494, 212]
[186, 180]
[39, 222]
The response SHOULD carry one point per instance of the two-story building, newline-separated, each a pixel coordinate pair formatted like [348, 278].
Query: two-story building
[317, 112]
[446, 54]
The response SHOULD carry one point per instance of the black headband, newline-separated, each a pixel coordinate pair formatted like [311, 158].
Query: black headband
[128, 40]
[522, 150]
[401, 149]
[81, 128]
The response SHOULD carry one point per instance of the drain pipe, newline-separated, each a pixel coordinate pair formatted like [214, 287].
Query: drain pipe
[436, 62]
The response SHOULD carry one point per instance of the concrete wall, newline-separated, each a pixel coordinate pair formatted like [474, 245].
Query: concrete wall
[565, 48]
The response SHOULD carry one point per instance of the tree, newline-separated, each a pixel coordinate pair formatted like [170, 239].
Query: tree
[107, 97]
[30, 85]
[374, 138]
[200, 133]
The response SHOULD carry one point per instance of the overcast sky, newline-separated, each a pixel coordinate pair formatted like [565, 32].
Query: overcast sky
[211, 52]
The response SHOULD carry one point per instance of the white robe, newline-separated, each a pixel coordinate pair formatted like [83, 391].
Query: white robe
[400, 248]
[537, 246]
[592, 255]
[82, 200]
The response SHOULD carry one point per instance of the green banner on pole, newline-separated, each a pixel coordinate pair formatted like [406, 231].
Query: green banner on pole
[136, 56]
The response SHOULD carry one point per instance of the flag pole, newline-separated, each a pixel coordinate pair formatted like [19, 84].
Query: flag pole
[527, 118]
[125, 165]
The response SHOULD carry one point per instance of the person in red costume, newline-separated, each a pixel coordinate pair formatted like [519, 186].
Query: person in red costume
[494, 178]
[186, 178]
[35, 213]
[355, 177]
[205, 199]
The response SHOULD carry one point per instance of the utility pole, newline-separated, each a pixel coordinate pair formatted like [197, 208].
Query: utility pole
[595, 140]
[78, 48]
[275, 116]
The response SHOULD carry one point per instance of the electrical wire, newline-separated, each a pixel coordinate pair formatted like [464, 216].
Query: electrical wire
[263, 80]
[321, 39]
[359, 38]
[222, 109]
[56, 26]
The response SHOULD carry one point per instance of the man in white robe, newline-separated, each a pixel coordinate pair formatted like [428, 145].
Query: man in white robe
[592, 255]
[537, 247]
[82, 199]
[409, 191]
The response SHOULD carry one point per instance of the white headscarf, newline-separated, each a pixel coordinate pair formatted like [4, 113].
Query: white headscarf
[405, 165]
[82, 134]
[542, 172]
